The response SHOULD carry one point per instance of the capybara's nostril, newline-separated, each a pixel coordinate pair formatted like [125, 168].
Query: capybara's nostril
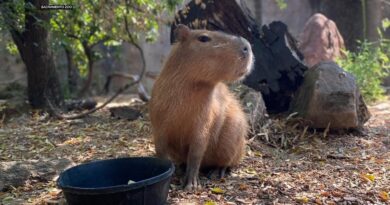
[245, 51]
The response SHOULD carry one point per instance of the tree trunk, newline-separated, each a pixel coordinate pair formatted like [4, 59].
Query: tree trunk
[373, 18]
[225, 16]
[88, 52]
[32, 43]
[73, 75]
[42, 76]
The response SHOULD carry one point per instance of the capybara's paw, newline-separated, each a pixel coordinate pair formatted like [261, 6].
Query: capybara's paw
[192, 184]
[217, 173]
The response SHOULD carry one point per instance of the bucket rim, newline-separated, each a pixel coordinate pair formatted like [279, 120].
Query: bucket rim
[116, 188]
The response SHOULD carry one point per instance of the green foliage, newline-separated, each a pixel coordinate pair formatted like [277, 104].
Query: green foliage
[11, 48]
[281, 4]
[12, 15]
[385, 23]
[370, 65]
[91, 22]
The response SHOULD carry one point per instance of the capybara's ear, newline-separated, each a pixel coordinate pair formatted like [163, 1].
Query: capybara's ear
[182, 32]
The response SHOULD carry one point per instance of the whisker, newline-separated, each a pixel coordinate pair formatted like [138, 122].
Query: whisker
[220, 45]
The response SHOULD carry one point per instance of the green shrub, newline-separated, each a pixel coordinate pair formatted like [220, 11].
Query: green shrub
[370, 65]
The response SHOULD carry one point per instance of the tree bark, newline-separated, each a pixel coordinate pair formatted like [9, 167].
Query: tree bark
[88, 53]
[32, 43]
[228, 16]
[373, 19]
[73, 75]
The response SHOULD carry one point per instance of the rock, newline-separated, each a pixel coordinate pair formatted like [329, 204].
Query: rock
[329, 95]
[253, 105]
[12, 90]
[13, 107]
[12, 101]
[125, 112]
[320, 40]
[16, 173]
[86, 104]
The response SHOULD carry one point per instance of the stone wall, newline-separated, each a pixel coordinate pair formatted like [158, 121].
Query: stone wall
[12, 69]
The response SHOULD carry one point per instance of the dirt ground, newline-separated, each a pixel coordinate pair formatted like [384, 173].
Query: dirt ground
[317, 168]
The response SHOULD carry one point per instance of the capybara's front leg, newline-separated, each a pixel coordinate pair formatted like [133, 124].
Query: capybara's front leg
[160, 148]
[194, 159]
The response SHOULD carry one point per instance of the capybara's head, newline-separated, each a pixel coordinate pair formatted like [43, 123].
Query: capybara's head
[211, 56]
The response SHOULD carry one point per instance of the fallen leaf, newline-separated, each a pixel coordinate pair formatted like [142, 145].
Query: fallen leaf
[258, 154]
[318, 201]
[368, 177]
[210, 203]
[250, 171]
[384, 196]
[325, 194]
[337, 194]
[350, 198]
[243, 201]
[217, 190]
[243, 187]
[303, 199]
[54, 192]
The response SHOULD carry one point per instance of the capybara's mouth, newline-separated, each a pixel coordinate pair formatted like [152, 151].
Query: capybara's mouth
[242, 73]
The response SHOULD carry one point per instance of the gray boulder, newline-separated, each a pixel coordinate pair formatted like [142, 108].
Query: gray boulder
[16, 173]
[329, 95]
[253, 105]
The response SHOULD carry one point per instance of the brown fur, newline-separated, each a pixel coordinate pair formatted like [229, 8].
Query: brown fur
[195, 119]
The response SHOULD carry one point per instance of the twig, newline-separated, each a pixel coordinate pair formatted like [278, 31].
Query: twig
[81, 115]
[326, 131]
[298, 137]
[2, 120]
[133, 42]
[333, 156]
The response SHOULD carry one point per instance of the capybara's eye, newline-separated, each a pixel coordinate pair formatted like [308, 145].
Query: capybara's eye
[204, 38]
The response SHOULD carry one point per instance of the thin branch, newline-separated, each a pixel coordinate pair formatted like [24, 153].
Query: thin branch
[81, 115]
[70, 35]
[88, 52]
[106, 38]
[133, 42]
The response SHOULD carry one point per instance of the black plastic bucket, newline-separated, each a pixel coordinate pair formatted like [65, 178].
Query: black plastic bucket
[105, 182]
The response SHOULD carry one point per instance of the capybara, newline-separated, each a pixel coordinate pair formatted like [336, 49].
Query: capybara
[195, 119]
